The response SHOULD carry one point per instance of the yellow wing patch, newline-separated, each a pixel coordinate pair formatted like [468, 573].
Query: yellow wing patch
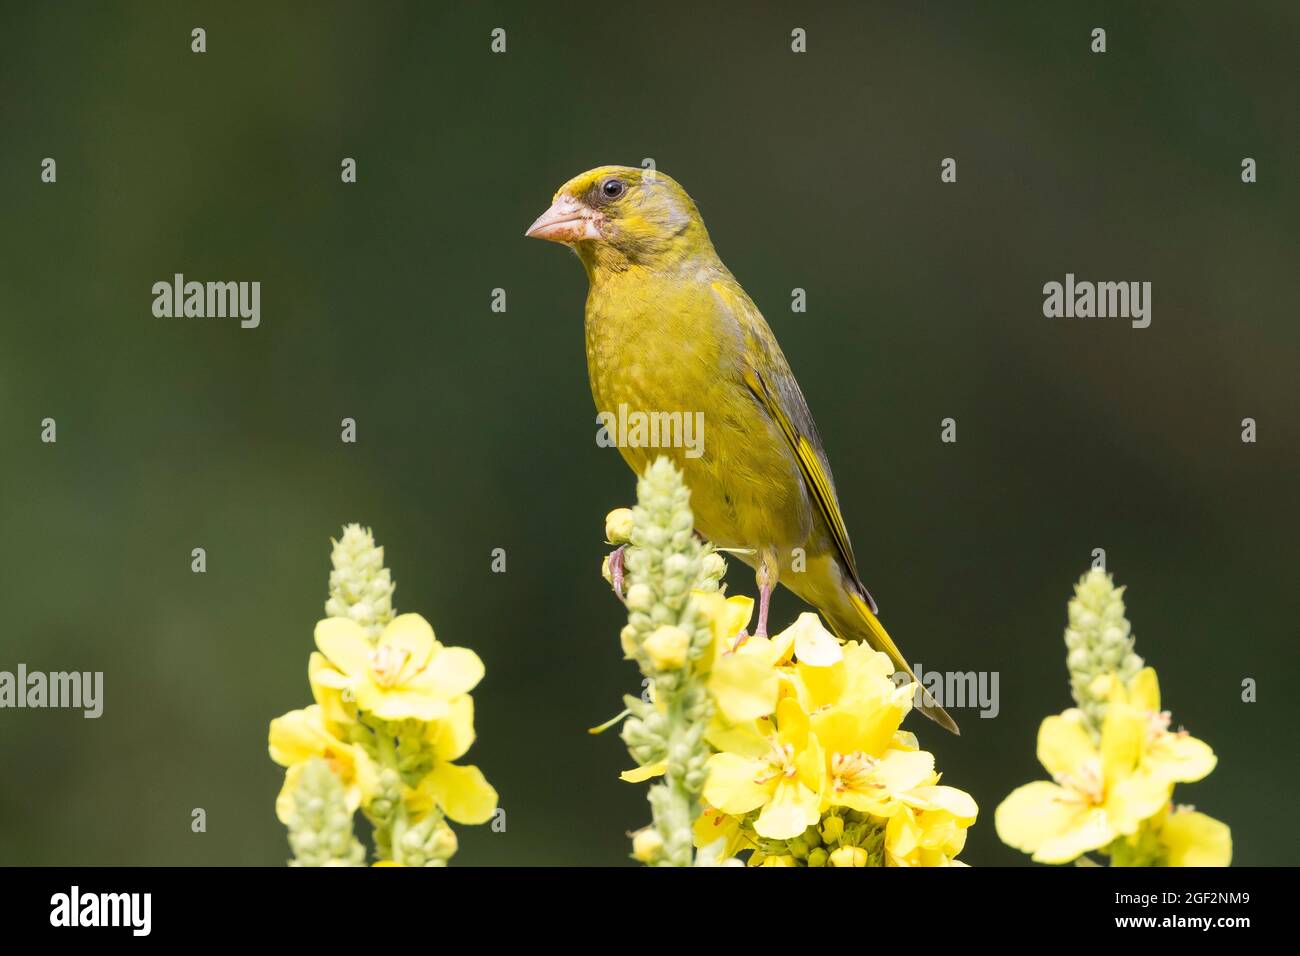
[819, 485]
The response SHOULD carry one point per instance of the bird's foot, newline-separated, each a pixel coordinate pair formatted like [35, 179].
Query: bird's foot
[616, 571]
[737, 641]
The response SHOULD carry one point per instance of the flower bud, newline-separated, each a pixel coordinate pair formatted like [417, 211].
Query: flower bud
[849, 856]
[618, 526]
[640, 597]
[832, 829]
[667, 647]
[647, 844]
[627, 641]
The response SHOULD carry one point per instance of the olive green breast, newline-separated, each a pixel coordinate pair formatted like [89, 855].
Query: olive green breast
[665, 345]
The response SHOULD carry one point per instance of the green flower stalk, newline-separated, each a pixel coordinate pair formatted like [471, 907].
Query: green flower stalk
[361, 588]
[667, 638]
[1099, 643]
[1114, 759]
[392, 717]
[320, 824]
[739, 766]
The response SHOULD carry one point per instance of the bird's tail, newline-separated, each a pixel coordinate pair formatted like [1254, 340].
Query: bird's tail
[861, 623]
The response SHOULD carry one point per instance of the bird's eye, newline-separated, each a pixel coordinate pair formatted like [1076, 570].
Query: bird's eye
[612, 188]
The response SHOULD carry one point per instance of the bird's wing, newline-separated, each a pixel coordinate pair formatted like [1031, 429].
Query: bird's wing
[767, 375]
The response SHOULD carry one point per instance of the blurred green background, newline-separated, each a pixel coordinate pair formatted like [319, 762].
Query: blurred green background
[476, 430]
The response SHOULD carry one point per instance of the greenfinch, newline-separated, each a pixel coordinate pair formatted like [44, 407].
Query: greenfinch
[669, 329]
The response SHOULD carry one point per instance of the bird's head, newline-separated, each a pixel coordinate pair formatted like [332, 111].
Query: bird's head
[616, 217]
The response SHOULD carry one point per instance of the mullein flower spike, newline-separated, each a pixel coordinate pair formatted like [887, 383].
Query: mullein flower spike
[1113, 758]
[320, 823]
[666, 636]
[1099, 642]
[393, 712]
[786, 748]
[361, 589]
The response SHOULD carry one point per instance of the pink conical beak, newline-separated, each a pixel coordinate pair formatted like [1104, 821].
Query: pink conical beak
[566, 221]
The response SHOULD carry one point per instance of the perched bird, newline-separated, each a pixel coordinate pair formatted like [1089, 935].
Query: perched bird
[669, 329]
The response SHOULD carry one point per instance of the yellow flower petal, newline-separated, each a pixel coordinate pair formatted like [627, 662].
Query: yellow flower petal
[960, 804]
[714, 825]
[320, 672]
[1064, 746]
[297, 736]
[731, 786]
[327, 688]
[344, 642]
[640, 774]
[452, 735]
[1180, 757]
[1133, 799]
[744, 687]
[879, 724]
[820, 687]
[792, 724]
[748, 739]
[813, 644]
[1194, 839]
[451, 672]
[462, 792]
[1092, 831]
[1144, 690]
[400, 703]
[726, 616]
[792, 809]
[1042, 814]
[413, 634]
[1123, 733]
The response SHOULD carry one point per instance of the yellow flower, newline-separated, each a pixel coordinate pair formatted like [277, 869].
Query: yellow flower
[930, 827]
[453, 734]
[618, 526]
[335, 710]
[742, 676]
[848, 856]
[461, 792]
[785, 780]
[406, 673]
[1190, 838]
[1104, 793]
[642, 774]
[1176, 755]
[714, 825]
[647, 844]
[302, 734]
[666, 647]
[1101, 793]
[860, 780]
[855, 692]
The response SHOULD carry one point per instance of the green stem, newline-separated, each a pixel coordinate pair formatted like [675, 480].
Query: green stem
[386, 751]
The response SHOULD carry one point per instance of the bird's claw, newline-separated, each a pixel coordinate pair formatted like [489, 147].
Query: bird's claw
[616, 571]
